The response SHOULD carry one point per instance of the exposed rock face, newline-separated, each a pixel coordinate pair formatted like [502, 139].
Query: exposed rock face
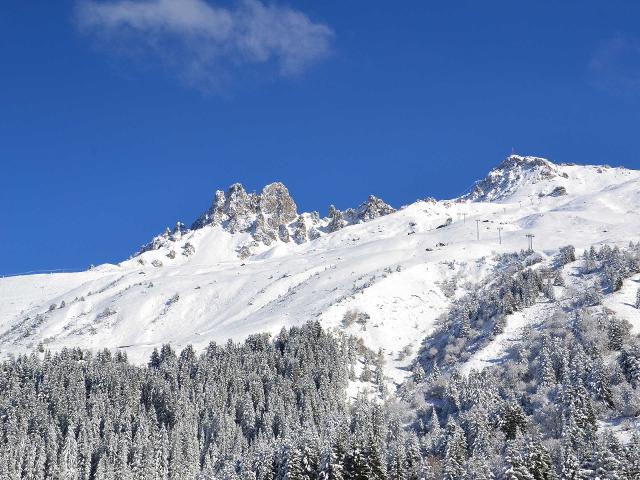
[558, 192]
[215, 215]
[231, 210]
[238, 210]
[283, 234]
[373, 208]
[177, 231]
[369, 210]
[514, 172]
[336, 220]
[239, 207]
[266, 216]
[300, 233]
[277, 205]
[217, 207]
[261, 231]
[269, 217]
[165, 238]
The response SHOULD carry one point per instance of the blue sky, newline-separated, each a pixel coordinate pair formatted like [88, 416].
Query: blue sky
[119, 118]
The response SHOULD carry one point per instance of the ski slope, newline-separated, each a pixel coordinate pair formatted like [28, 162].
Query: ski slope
[390, 268]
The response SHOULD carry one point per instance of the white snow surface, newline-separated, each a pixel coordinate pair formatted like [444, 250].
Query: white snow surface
[623, 302]
[390, 268]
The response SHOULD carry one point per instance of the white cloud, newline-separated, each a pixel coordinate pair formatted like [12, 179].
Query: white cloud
[206, 43]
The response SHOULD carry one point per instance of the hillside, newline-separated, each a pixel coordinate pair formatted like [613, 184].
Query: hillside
[251, 263]
[425, 343]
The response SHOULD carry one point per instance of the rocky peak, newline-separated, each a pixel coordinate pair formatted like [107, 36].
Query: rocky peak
[266, 215]
[276, 205]
[232, 210]
[374, 207]
[525, 162]
[270, 216]
[336, 219]
[511, 175]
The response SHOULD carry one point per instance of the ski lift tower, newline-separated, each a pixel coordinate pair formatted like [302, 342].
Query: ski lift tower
[530, 239]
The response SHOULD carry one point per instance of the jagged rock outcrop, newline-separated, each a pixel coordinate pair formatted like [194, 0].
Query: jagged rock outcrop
[165, 238]
[270, 216]
[312, 231]
[367, 211]
[277, 205]
[508, 177]
[215, 215]
[283, 234]
[237, 210]
[261, 232]
[232, 210]
[300, 233]
[177, 231]
[373, 208]
[336, 219]
[559, 191]
[266, 215]
[239, 207]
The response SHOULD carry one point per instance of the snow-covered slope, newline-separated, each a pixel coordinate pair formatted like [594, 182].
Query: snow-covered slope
[521, 179]
[254, 264]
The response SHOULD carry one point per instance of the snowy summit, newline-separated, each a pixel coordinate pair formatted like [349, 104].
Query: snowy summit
[252, 263]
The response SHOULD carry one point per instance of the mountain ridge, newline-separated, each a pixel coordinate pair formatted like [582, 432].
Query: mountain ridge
[271, 216]
[390, 270]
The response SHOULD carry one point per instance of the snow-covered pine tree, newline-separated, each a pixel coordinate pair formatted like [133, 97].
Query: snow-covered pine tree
[567, 255]
[512, 419]
[539, 461]
[515, 465]
[377, 468]
[589, 261]
[549, 291]
[455, 452]
[633, 456]
[303, 459]
[630, 363]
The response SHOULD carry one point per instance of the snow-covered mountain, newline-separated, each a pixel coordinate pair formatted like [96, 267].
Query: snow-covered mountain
[253, 263]
[527, 178]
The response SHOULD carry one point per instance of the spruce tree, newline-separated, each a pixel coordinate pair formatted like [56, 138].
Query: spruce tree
[397, 465]
[455, 453]
[571, 469]
[539, 462]
[547, 372]
[512, 419]
[515, 465]
[357, 463]
[632, 464]
[376, 461]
